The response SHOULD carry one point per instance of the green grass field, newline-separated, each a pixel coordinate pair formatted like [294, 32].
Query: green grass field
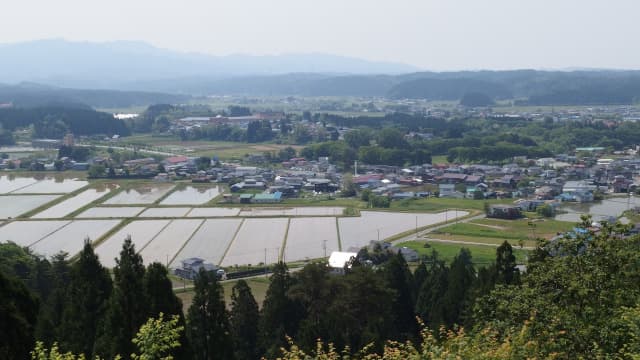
[436, 204]
[481, 255]
[495, 231]
[225, 150]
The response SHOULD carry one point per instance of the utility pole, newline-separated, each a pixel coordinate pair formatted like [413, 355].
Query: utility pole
[265, 261]
[416, 226]
[378, 235]
[324, 247]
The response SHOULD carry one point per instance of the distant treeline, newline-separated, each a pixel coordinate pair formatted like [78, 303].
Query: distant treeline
[524, 86]
[55, 122]
[36, 95]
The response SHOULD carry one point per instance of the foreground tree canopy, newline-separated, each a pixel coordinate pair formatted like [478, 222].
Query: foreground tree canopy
[579, 298]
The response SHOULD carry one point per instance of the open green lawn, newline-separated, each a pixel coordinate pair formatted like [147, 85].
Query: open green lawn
[482, 255]
[437, 204]
[495, 231]
[225, 150]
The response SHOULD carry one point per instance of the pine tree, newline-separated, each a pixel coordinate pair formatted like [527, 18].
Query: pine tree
[506, 271]
[158, 291]
[312, 292]
[461, 277]
[87, 298]
[430, 302]
[243, 321]
[52, 308]
[128, 307]
[277, 317]
[207, 320]
[18, 315]
[400, 280]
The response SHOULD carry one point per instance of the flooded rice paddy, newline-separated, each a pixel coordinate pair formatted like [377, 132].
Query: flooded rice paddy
[140, 194]
[141, 232]
[225, 241]
[165, 212]
[166, 244]
[12, 206]
[220, 235]
[600, 210]
[211, 241]
[192, 195]
[39, 185]
[70, 238]
[254, 236]
[49, 237]
[72, 204]
[25, 233]
[111, 212]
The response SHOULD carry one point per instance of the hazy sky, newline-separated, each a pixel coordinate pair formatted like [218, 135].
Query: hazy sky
[433, 35]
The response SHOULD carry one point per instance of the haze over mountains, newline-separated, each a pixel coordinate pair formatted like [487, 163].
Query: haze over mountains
[51, 71]
[122, 64]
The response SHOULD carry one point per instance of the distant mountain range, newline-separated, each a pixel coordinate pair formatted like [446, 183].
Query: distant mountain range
[122, 64]
[53, 71]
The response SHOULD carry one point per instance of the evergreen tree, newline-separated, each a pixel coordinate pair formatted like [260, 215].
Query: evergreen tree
[361, 311]
[457, 297]
[87, 300]
[430, 302]
[506, 271]
[243, 321]
[207, 320]
[128, 307]
[419, 276]
[18, 315]
[400, 280]
[312, 292]
[158, 291]
[278, 315]
[52, 308]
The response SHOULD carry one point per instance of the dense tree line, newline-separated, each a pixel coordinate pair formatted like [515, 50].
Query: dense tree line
[54, 122]
[578, 299]
[6, 137]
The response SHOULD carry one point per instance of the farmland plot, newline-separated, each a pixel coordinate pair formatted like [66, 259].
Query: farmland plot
[165, 212]
[12, 206]
[25, 233]
[358, 231]
[72, 204]
[141, 233]
[213, 212]
[51, 186]
[294, 211]
[191, 195]
[140, 194]
[9, 184]
[254, 236]
[71, 238]
[307, 236]
[166, 244]
[210, 241]
[111, 212]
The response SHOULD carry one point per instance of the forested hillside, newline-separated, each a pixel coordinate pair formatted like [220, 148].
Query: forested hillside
[35, 95]
[55, 122]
